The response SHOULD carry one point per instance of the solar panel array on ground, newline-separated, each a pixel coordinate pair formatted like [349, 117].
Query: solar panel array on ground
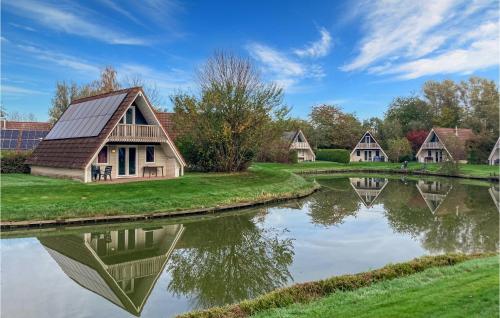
[14, 139]
[86, 119]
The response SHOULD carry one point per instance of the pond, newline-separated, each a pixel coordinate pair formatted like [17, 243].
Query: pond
[167, 267]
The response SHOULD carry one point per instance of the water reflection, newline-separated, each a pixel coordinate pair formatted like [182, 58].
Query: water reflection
[368, 189]
[351, 225]
[121, 266]
[225, 260]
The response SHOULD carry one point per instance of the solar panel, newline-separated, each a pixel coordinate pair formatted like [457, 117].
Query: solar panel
[9, 139]
[86, 119]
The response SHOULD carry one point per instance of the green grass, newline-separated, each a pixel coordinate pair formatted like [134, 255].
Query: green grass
[469, 170]
[26, 197]
[469, 289]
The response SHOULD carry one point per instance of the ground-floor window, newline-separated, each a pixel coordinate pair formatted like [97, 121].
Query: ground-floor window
[150, 154]
[102, 157]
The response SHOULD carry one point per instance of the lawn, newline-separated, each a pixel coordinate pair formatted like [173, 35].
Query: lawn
[469, 289]
[465, 169]
[26, 197]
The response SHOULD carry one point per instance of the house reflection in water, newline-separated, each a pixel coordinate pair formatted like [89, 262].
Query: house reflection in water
[368, 189]
[121, 266]
[495, 195]
[434, 193]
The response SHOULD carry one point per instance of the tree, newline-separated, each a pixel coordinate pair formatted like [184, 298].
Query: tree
[226, 122]
[389, 129]
[335, 128]
[65, 93]
[443, 99]
[411, 112]
[398, 149]
[479, 148]
[416, 139]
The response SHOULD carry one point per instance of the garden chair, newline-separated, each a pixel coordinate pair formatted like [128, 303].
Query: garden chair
[107, 172]
[96, 172]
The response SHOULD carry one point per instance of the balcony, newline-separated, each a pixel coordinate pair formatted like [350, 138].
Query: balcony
[137, 133]
[432, 145]
[368, 145]
[300, 145]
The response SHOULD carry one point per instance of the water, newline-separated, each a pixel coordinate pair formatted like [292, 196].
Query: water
[167, 267]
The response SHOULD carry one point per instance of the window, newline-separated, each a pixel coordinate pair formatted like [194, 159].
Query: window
[129, 117]
[102, 157]
[150, 153]
[428, 153]
[358, 153]
[377, 153]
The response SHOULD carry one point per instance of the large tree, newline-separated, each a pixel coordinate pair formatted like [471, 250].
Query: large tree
[334, 127]
[411, 112]
[222, 128]
[444, 101]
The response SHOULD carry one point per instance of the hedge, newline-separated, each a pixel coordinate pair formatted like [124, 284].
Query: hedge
[306, 292]
[335, 155]
[13, 162]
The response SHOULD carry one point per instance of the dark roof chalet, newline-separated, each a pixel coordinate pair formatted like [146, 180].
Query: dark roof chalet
[462, 135]
[77, 152]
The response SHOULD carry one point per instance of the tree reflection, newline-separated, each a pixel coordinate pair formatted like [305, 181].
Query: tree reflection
[466, 220]
[333, 204]
[228, 259]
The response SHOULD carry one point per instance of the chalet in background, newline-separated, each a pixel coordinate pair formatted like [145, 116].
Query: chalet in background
[434, 148]
[22, 135]
[494, 157]
[368, 149]
[117, 133]
[298, 142]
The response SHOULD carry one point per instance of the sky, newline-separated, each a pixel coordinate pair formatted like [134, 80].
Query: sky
[355, 54]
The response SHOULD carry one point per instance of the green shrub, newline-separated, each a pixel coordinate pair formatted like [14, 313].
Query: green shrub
[13, 162]
[293, 156]
[335, 155]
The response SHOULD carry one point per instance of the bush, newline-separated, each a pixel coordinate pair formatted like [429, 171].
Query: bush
[293, 156]
[276, 151]
[13, 162]
[335, 155]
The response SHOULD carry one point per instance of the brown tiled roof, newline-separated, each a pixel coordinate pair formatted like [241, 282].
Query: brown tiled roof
[166, 120]
[77, 152]
[27, 125]
[447, 135]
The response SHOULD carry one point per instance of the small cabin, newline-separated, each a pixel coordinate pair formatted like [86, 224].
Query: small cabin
[368, 149]
[434, 148]
[299, 143]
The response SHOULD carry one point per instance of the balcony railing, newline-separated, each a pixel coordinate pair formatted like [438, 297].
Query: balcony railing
[127, 132]
[368, 145]
[300, 145]
[432, 145]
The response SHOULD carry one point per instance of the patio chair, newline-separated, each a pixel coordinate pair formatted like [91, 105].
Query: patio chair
[107, 172]
[96, 172]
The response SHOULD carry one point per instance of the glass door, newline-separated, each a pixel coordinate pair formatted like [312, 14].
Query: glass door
[127, 161]
[122, 152]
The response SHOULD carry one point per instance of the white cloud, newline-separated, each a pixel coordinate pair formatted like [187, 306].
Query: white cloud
[69, 22]
[283, 70]
[14, 90]
[319, 48]
[166, 80]
[417, 38]
[67, 61]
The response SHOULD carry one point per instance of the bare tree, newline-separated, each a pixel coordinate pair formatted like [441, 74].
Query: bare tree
[150, 88]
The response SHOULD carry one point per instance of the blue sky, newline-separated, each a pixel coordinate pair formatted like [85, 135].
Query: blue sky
[356, 54]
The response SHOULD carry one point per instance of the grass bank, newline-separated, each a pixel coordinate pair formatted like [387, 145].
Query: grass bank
[26, 197]
[444, 286]
[466, 170]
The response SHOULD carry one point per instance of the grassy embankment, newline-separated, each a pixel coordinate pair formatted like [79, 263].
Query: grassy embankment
[466, 170]
[426, 287]
[26, 197]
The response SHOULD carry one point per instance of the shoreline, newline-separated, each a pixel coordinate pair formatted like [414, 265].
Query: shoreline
[38, 224]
